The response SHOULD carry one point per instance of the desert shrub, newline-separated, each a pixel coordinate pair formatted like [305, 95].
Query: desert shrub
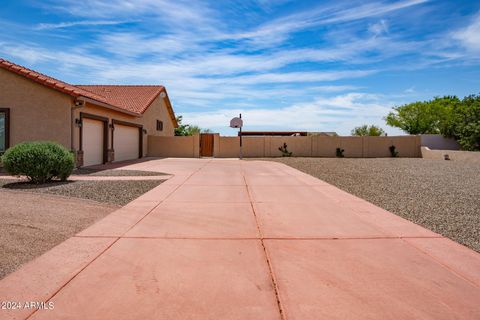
[283, 149]
[393, 151]
[39, 161]
[339, 152]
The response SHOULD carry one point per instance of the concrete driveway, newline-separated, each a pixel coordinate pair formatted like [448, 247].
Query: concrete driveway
[230, 239]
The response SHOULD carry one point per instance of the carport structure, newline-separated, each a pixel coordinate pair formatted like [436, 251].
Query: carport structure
[230, 239]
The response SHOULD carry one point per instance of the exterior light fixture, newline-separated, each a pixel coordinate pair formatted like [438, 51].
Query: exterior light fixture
[163, 95]
[78, 122]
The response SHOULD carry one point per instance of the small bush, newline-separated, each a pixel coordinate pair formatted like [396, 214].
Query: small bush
[339, 152]
[393, 151]
[40, 161]
[284, 150]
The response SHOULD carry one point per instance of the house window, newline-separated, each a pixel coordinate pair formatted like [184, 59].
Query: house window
[159, 125]
[4, 129]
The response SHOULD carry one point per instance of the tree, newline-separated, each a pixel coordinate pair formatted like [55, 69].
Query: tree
[366, 130]
[465, 123]
[187, 129]
[446, 115]
[424, 117]
[181, 130]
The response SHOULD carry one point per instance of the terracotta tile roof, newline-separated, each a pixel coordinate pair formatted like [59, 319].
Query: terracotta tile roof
[131, 98]
[135, 98]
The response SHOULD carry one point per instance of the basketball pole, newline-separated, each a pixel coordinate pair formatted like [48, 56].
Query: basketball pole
[240, 133]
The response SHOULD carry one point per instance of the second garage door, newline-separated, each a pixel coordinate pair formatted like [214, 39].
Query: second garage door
[126, 142]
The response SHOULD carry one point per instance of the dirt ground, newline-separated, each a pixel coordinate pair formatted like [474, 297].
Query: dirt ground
[34, 223]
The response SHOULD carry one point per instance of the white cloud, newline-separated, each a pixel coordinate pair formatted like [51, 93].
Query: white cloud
[180, 14]
[378, 28]
[62, 25]
[298, 77]
[135, 44]
[339, 113]
[470, 36]
[278, 30]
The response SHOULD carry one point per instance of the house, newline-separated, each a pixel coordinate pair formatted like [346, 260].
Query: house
[99, 123]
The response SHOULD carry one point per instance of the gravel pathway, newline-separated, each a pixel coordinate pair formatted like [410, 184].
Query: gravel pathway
[443, 196]
[117, 192]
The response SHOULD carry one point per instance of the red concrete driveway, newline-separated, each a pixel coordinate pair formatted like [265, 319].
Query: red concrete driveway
[229, 239]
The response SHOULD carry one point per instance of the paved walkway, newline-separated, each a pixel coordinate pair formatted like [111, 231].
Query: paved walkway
[229, 239]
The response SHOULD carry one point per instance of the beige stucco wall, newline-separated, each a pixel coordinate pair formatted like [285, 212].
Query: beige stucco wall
[318, 146]
[325, 146]
[36, 111]
[438, 142]
[178, 147]
[464, 156]
[353, 146]
[254, 147]
[299, 146]
[156, 111]
[228, 147]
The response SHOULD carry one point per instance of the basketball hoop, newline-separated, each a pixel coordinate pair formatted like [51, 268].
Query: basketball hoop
[237, 122]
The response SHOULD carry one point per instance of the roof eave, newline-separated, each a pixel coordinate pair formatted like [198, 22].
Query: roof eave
[108, 106]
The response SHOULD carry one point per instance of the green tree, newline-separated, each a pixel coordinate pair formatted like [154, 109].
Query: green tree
[446, 115]
[424, 117]
[181, 130]
[187, 129]
[465, 123]
[366, 130]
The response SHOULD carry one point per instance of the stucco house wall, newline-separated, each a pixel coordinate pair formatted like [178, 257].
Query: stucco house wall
[156, 111]
[36, 111]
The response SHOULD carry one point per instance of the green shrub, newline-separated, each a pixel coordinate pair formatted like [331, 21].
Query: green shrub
[283, 149]
[40, 161]
[393, 151]
[339, 152]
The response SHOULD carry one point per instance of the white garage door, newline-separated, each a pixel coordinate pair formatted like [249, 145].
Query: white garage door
[92, 142]
[126, 142]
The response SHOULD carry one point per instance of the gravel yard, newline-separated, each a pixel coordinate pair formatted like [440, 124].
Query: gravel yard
[118, 192]
[115, 173]
[443, 196]
[34, 223]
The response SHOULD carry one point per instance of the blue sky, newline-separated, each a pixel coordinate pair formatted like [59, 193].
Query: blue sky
[285, 65]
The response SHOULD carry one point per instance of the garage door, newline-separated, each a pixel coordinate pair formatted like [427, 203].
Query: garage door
[126, 142]
[92, 141]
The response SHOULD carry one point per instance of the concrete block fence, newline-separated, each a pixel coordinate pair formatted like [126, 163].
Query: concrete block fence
[300, 146]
